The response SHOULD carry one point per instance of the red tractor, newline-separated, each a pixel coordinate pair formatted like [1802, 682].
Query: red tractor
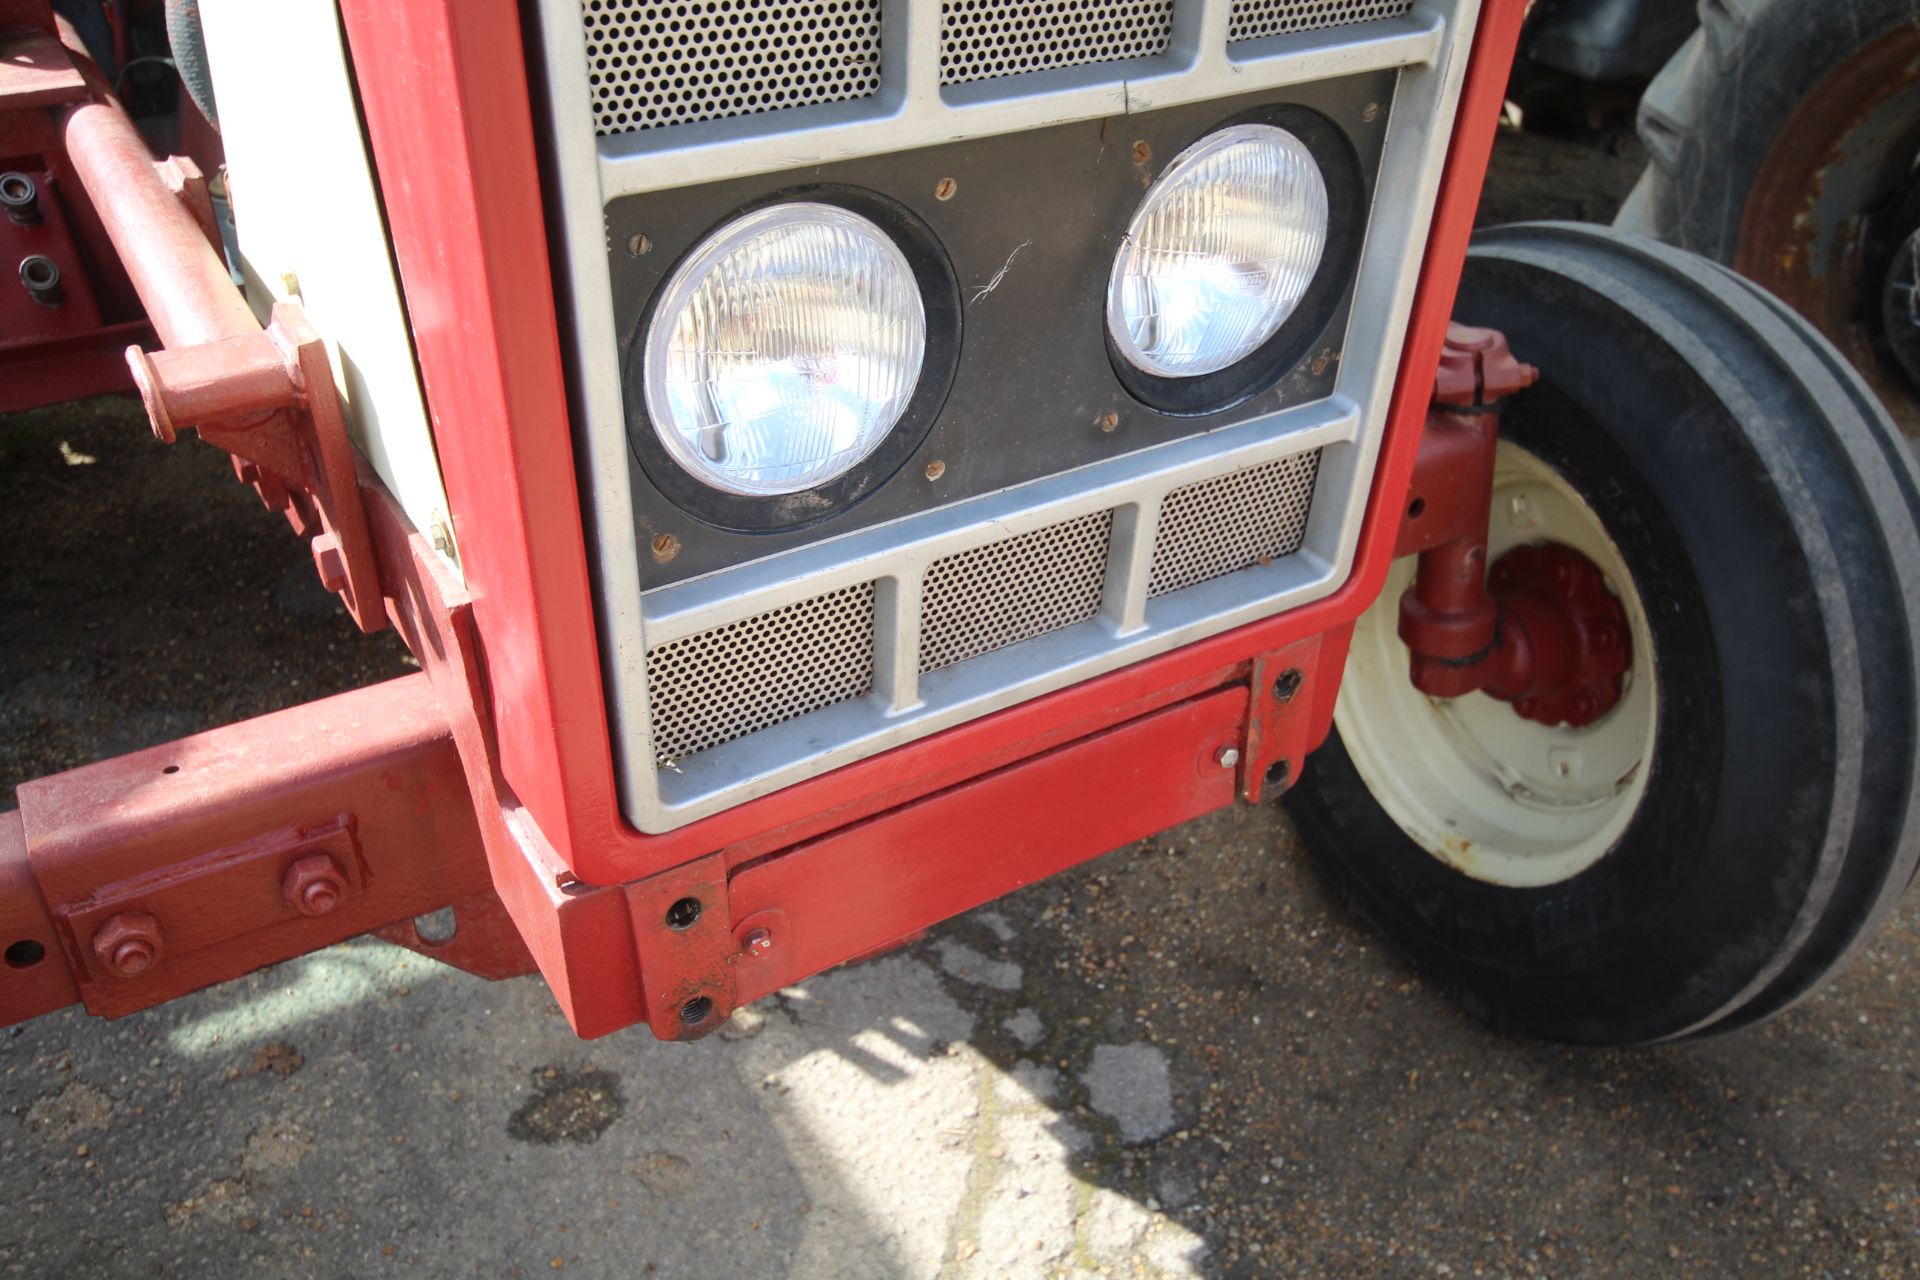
[836, 463]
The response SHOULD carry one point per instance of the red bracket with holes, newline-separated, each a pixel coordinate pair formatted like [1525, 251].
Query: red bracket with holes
[1539, 629]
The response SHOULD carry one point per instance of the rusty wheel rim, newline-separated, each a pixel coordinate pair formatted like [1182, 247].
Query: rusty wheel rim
[1841, 156]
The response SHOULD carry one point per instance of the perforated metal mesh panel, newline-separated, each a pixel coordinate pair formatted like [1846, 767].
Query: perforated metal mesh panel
[1251, 19]
[734, 680]
[981, 39]
[1230, 522]
[993, 596]
[654, 64]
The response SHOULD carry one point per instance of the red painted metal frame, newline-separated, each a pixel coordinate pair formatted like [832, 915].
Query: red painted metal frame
[444, 90]
[189, 845]
[53, 354]
[814, 875]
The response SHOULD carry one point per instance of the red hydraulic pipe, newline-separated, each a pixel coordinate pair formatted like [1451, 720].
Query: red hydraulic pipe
[181, 280]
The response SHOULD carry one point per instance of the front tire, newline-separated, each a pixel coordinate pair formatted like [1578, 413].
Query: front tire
[1761, 515]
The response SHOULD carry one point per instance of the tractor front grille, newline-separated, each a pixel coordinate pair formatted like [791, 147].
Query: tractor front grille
[657, 63]
[750, 668]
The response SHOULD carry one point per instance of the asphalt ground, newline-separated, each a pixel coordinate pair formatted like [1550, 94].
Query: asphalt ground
[1185, 1058]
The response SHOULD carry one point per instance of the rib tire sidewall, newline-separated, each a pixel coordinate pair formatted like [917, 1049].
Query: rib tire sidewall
[1769, 838]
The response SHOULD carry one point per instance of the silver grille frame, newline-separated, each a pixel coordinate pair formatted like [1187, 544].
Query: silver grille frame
[1427, 45]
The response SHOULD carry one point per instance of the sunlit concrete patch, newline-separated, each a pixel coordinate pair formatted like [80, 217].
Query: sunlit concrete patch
[861, 1076]
[1026, 1223]
[897, 1125]
[306, 990]
[1118, 1228]
[1035, 1215]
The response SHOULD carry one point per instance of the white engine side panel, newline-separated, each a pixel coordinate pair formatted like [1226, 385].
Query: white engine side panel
[309, 226]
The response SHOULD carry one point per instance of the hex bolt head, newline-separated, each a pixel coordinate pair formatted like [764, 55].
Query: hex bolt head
[1227, 757]
[757, 944]
[314, 885]
[128, 944]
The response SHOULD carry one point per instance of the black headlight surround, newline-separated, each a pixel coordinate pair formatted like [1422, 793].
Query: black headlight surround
[763, 513]
[1263, 368]
[1029, 222]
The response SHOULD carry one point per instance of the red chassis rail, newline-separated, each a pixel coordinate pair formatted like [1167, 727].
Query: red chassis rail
[818, 873]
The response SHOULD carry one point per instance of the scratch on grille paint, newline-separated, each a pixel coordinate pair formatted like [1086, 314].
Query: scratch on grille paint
[982, 290]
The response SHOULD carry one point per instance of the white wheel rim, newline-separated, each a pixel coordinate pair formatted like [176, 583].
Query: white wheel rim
[1498, 797]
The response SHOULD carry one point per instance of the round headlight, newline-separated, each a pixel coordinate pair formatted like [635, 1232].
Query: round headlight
[784, 349]
[1220, 252]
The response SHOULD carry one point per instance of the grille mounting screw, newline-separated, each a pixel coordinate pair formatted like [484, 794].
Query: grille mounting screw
[639, 245]
[1142, 152]
[944, 189]
[936, 469]
[665, 547]
[1107, 421]
[1370, 113]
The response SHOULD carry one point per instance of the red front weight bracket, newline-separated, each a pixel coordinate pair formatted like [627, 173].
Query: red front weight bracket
[1540, 629]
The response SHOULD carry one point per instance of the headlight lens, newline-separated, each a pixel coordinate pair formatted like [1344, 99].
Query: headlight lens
[1220, 252]
[784, 349]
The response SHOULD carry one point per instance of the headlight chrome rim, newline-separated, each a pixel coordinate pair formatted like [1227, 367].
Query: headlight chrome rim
[776, 513]
[885, 276]
[1134, 282]
[1316, 318]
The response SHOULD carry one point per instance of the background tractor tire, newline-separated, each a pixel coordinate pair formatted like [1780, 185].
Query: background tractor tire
[1766, 519]
[1782, 142]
